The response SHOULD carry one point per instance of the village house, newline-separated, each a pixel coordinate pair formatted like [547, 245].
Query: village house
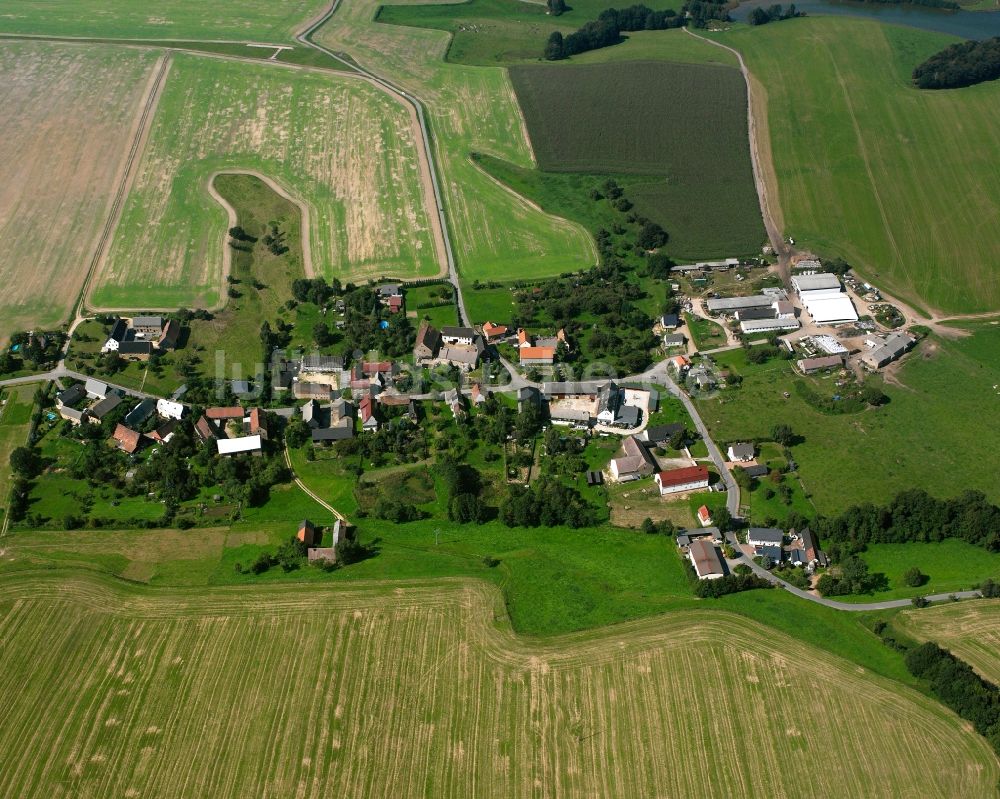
[224, 414]
[312, 413]
[96, 389]
[255, 423]
[164, 432]
[428, 343]
[169, 409]
[477, 394]
[368, 409]
[679, 364]
[464, 336]
[71, 396]
[576, 418]
[390, 295]
[171, 335]
[765, 537]
[704, 516]
[205, 430]
[661, 435]
[73, 415]
[686, 478]
[147, 326]
[810, 366]
[611, 407]
[137, 350]
[895, 346]
[307, 533]
[634, 463]
[705, 560]
[99, 410]
[119, 329]
[674, 340]
[456, 403]
[740, 453]
[493, 333]
[126, 439]
[305, 389]
[537, 356]
[140, 413]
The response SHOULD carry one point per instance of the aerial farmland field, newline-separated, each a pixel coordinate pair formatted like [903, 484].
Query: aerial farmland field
[167, 19]
[969, 629]
[497, 234]
[68, 113]
[410, 690]
[903, 183]
[341, 146]
[681, 127]
[15, 420]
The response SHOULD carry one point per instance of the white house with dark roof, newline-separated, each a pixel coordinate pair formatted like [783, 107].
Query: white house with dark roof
[740, 453]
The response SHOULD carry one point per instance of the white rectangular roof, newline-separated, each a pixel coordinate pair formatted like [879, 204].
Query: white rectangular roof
[833, 309]
[734, 303]
[819, 294]
[824, 280]
[756, 325]
[231, 446]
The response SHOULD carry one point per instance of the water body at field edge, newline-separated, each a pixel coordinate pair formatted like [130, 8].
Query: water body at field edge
[966, 24]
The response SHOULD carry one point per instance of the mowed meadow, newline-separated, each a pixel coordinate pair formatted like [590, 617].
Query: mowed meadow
[903, 183]
[411, 691]
[165, 19]
[64, 134]
[340, 145]
[968, 629]
[496, 234]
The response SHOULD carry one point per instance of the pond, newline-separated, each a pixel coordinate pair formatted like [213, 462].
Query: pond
[965, 24]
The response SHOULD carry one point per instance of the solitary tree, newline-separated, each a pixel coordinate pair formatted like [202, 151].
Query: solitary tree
[914, 577]
[556, 7]
[554, 48]
[783, 434]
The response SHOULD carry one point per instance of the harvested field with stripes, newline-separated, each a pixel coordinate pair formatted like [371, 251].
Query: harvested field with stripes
[419, 689]
[343, 147]
[969, 629]
[64, 133]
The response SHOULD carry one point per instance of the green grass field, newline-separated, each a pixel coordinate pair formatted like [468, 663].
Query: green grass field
[898, 181]
[496, 234]
[59, 179]
[705, 333]
[15, 421]
[240, 20]
[301, 130]
[929, 436]
[649, 118]
[951, 565]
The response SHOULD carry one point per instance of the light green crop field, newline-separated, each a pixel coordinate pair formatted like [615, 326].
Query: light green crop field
[64, 133]
[903, 183]
[420, 689]
[497, 235]
[930, 435]
[969, 629]
[181, 19]
[343, 147]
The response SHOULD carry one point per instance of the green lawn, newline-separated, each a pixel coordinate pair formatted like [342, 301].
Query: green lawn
[898, 181]
[434, 302]
[15, 421]
[948, 388]
[951, 565]
[260, 20]
[217, 116]
[705, 333]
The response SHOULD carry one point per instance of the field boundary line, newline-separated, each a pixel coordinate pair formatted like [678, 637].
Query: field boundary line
[143, 126]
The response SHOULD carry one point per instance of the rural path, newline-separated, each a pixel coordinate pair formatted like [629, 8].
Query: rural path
[305, 37]
[309, 491]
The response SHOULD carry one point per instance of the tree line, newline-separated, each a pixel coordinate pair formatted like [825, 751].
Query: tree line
[912, 516]
[606, 30]
[962, 64]
[761, 16]
[956, 684]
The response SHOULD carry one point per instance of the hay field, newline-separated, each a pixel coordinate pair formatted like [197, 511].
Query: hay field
[340, 145]
[497, 235]
[412, 691]
[15, 422]
[165, 19]
[68, 114]
[903, 183]
[969, 629]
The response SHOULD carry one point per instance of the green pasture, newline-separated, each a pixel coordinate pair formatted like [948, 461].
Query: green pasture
[930, 435]
[900, 182]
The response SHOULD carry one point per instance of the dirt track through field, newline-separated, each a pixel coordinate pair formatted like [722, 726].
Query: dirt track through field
[409, 689]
